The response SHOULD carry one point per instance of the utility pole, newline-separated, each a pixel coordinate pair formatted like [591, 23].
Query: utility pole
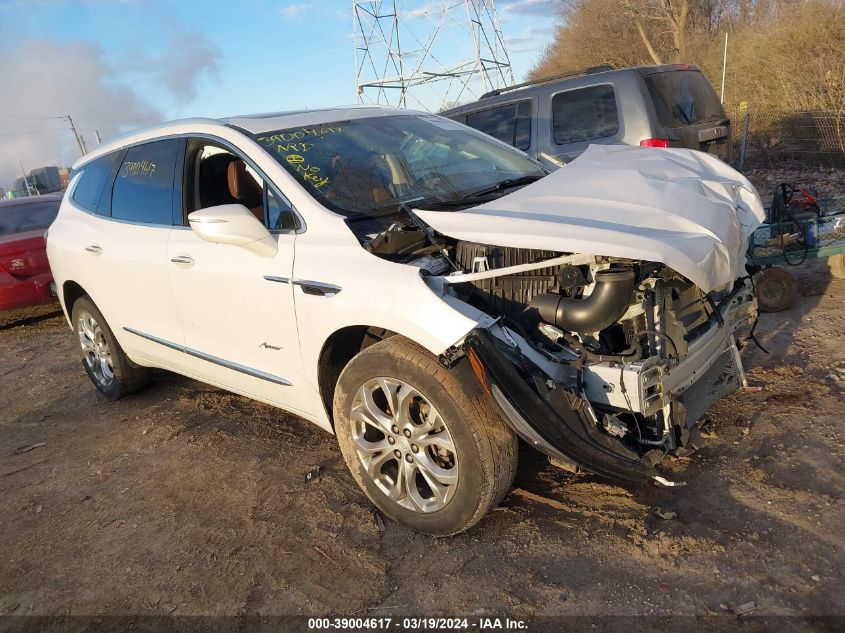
[724, 68]
[76, 134]
[26, 181]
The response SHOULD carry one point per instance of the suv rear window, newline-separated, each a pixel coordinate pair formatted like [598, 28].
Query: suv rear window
[17, 218]
[143, 188]
[584, 114]
[87, 191]
[510, 123]
[683, 97]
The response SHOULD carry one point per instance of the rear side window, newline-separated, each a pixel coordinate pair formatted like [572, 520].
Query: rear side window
[584, 114]
[18, 218]
[683, 97]
[143, 187]
[510, 123]
[94, 176]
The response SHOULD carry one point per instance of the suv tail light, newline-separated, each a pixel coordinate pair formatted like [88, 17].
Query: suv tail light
[654, 142]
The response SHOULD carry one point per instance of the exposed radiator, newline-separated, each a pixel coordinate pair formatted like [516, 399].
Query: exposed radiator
[721, 379]
[509, 295]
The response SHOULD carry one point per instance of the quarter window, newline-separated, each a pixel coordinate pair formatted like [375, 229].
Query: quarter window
[94, 175]
[279, 212]
[584, 114]
[510, 123]
[143, 187]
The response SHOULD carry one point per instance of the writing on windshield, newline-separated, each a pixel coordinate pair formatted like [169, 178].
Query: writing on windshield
[292, 147]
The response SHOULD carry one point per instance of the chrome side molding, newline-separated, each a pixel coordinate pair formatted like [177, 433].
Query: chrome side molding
[249, 371]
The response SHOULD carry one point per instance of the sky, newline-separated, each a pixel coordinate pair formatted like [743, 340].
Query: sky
[114, 65]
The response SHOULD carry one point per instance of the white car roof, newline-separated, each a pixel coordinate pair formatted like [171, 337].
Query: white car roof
[250, 123]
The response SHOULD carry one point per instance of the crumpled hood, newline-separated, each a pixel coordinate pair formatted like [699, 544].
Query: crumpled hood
[680, 207]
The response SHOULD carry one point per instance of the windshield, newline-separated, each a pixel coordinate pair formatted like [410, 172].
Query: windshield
[362, 166]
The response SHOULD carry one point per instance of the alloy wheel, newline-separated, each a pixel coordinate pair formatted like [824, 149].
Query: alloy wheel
[404, 445]
[97, 356]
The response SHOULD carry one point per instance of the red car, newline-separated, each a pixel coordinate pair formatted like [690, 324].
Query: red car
[25, 277]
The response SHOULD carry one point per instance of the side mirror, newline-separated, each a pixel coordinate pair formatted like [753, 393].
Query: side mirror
[233, 224]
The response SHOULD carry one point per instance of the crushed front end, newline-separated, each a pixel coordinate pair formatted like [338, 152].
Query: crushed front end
[602, 363]
[608, 298]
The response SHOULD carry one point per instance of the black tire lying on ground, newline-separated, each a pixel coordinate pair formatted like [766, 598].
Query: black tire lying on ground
[775, 288]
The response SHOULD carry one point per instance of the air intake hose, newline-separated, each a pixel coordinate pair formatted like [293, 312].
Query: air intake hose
[605, 305]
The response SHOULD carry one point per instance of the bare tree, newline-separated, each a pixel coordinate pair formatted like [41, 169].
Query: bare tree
[637, 17]
[671, 15]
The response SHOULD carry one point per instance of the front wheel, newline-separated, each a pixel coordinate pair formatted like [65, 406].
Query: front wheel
[105, 362]
[427, 454]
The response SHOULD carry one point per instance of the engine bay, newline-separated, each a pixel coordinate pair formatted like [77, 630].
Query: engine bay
[610, 331]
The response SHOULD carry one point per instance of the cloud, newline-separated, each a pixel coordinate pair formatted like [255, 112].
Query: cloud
[533, 34]
[292, 11]
[187, 56]
[42, 80]
[426, 10]
[542, 8]
[532, 39]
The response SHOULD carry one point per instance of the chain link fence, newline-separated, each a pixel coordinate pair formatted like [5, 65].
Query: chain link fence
[805, 139]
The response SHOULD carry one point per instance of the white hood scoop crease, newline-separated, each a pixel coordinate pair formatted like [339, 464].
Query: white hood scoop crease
[682, 208]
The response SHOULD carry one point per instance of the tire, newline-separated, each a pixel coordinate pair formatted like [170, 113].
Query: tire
[775, 288]
[466, 458]
[105, 362]
[836, 263]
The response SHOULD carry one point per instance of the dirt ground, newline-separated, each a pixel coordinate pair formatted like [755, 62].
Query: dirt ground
[185, 499]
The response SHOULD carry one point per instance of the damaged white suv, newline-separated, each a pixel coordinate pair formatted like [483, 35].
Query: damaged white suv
[424, 291]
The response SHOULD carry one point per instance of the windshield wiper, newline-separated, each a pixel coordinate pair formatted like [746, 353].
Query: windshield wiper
[473, 197]
[502, 185]
[437, 205]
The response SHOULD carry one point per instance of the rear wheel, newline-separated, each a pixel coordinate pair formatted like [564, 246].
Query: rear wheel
[105, 362]
[424, 452]
[775, 288]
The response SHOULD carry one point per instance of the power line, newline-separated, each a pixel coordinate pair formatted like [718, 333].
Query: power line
[34, 133]
[79, 118]
[30, 118]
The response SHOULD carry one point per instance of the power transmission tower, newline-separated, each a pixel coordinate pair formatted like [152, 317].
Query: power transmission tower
[428, 54]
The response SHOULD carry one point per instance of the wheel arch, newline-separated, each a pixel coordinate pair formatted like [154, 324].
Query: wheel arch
[71, 292]
[337, 352]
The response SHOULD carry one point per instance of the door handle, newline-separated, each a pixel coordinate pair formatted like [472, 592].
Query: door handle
[94, 249]
[183, 259]
[317, 288]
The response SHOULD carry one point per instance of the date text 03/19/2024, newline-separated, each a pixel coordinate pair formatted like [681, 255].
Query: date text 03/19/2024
[418, 624]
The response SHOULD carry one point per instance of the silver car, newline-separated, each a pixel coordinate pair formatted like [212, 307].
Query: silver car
[555, 119]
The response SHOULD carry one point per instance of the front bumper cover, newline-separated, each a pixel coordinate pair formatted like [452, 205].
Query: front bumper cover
[550, 418]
